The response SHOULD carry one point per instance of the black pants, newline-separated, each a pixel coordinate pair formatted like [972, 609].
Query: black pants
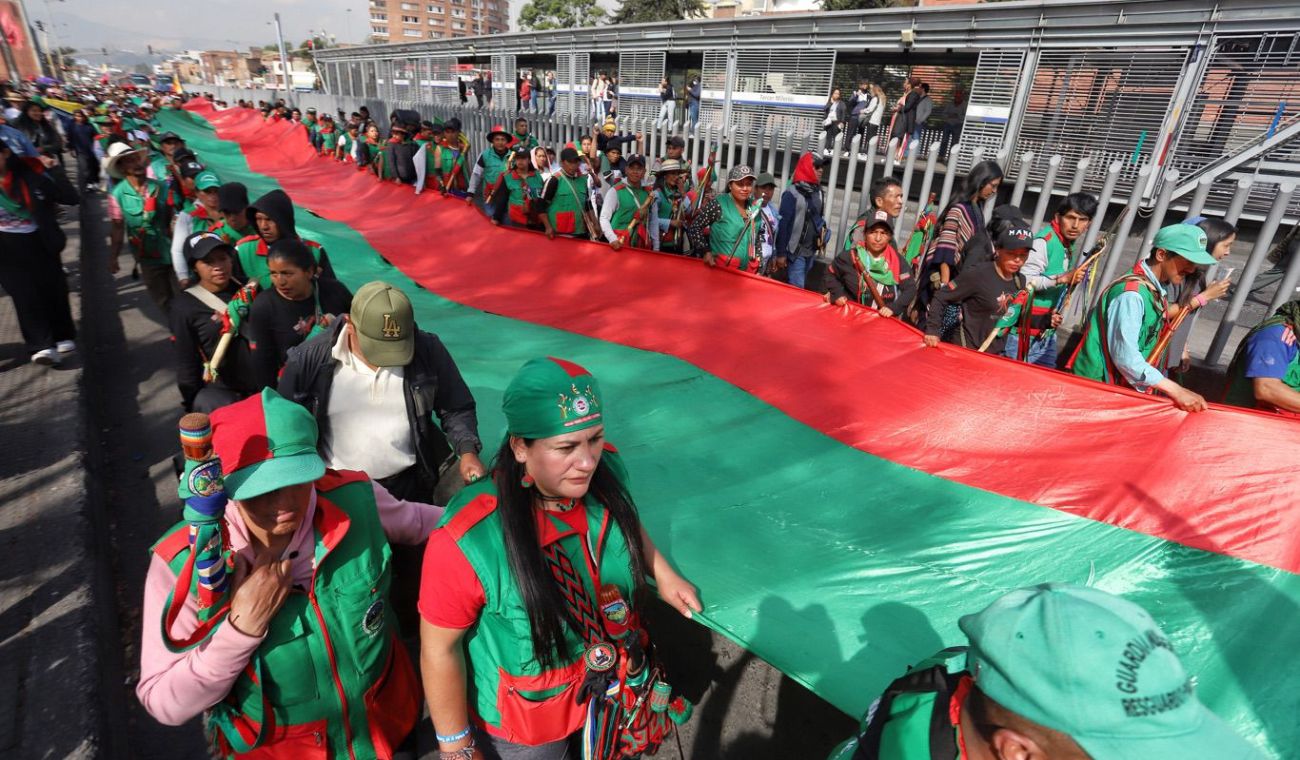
[88, 168]
[831, 131]
[216, 395]
[33, 277]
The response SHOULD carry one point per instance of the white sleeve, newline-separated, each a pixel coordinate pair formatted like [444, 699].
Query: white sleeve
[179, 233]
[607, 210]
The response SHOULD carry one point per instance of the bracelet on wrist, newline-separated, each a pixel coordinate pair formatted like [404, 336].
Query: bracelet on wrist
[454, 737]
[464, 753]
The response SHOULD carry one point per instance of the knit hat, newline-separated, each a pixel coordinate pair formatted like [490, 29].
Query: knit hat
[610, 125]
[550, 397]
[265, 442]
[1097, 668]
[384, 323]
[1186, 240]
[233, 196]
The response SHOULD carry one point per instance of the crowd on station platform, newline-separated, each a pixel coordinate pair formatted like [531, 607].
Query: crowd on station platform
[338, 426]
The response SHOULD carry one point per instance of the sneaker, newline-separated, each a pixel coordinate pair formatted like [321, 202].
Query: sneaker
[65, 346]
[46, 356]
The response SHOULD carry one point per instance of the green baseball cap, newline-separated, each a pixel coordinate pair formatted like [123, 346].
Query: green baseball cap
[265, 442]
[550, 397]
[1186, 240]
[1098, 668]
[385, 324]
[206, 180]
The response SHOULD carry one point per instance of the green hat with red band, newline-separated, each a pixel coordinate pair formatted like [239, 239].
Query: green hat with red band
[550, 397]
[264, 443]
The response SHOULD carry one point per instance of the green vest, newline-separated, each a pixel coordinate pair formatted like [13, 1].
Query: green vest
[565, 210]
[200, 221]
[494, 166]
[507, 687]
[228, 233]
[1058, 260]
[522, 192]
[1093, 359]
[668, 238]
[329, 140]
[732, 225]
[252, 253]
[327, 649]
[1241, 389]
[145, 222]
[629, 200]
[529, 140]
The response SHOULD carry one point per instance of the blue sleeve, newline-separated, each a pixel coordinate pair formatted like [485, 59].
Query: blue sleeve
[1124, 323]
[786, 220]
[1270, 351]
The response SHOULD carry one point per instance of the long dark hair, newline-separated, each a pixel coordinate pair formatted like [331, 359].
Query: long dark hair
[547, 613]
[980, 175]
[1216, 231]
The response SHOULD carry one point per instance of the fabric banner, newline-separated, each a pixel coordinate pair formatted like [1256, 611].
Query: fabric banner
[839, 493]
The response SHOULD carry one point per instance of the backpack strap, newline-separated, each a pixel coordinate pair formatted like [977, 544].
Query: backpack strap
[929, 676]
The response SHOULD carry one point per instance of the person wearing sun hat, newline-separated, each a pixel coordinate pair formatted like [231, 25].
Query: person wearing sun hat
[530, 579]
[493, 162]
[1054, 671]
[672, 205]
[201, 214]
[285, 632]
[725, 227]
[1122, 330]
[139, 214]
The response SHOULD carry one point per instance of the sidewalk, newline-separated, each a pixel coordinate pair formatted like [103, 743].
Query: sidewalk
[53, 576]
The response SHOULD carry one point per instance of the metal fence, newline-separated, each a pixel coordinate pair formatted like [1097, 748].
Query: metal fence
[854, 166]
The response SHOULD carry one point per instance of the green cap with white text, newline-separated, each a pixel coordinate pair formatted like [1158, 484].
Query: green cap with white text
[1097, 668]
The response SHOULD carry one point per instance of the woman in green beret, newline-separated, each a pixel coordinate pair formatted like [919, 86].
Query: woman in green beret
[528, 596]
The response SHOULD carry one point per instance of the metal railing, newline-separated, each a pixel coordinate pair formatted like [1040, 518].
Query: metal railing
[852, 169]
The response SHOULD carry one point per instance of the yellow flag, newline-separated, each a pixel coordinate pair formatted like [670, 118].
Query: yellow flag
[176, 84]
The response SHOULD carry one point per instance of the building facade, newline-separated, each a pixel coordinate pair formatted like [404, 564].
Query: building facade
[411, 20]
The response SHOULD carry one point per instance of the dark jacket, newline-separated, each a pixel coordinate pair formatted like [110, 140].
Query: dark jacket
[801, 225]
[844, 281]
[81, 138]
[43, 134]
[196, 330]
[277, 205]
[433, 386]
[48, 189]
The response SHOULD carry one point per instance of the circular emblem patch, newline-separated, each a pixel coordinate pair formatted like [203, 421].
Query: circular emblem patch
[616, 611]
[205, 480]
[581, 406]
[600, 657]
[374, 618]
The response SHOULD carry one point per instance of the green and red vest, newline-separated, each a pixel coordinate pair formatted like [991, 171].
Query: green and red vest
[146, 227]
[731, 238]
[565, 211]
[202, 220]
[1240, 389]
[668, 199]
[329, 139]
[1046, 299]
[528, 140]
[510, 693]
[449, 163]
[523, 190]
[494, 166]
[230, 234]
[331, 679]
[632, 231]
[1092, 359]
[252, 251]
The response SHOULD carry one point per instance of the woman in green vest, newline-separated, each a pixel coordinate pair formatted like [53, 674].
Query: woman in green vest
[277, 627]
[451, 159]
[519, 190]
[530, 582]
[670, 195]
[731, 224]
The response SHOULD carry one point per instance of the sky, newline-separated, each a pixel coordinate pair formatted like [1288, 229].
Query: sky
[177, 25]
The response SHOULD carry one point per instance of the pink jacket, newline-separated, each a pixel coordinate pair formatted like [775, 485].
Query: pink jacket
[177, 687]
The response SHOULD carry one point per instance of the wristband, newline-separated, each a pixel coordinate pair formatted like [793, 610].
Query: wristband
[1200, 300]
[454, 737]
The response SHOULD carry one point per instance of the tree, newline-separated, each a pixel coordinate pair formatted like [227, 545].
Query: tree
[646, 11]
[864, 5]
[560, 14]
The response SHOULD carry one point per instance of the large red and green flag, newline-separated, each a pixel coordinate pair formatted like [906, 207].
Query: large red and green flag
[839, 493]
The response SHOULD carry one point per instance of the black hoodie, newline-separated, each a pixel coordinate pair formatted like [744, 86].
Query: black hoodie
[277, 205]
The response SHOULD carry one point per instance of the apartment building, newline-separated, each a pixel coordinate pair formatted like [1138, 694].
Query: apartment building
[411, 20]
